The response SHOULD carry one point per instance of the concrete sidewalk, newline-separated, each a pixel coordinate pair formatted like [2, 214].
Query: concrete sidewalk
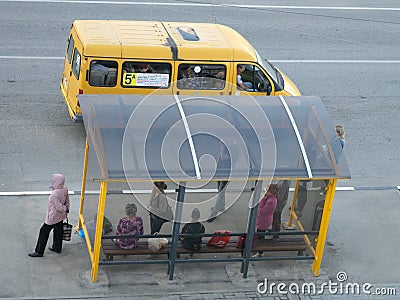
[362, 241]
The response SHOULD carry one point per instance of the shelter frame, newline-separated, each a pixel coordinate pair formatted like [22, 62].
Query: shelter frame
[316, 253]
[311, 141]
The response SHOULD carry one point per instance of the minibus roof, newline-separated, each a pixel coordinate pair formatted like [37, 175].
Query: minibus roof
[162, 40]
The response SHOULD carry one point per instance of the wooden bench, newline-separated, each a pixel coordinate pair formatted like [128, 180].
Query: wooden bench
[266, 245]
[287, 244]
[110, 249]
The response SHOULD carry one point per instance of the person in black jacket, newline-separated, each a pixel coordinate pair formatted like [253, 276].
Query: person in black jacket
[193, 243]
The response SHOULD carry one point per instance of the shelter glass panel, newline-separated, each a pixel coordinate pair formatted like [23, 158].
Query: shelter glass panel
[197, 138]
[323, 149]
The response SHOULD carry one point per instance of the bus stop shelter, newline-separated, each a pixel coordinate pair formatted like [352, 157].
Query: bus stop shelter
[191, 139]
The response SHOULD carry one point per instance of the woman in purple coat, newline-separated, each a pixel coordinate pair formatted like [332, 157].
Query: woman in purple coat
[266, 208]
[129, 225]
[57, 210]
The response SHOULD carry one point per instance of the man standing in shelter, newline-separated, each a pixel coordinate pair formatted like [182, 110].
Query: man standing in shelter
[282, 197]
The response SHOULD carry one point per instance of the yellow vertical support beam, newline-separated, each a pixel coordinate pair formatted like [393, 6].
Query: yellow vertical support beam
[323, 229]
[88, 243]
[83, 189]
[296, 189]
[99, 229]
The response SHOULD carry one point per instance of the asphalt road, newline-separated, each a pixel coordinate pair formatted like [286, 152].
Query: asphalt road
[361, 90]
[350, 58]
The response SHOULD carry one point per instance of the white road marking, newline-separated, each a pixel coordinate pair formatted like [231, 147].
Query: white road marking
[192, 4]
[344, 188]
[32, 57]
[335, 61]
[316, 7]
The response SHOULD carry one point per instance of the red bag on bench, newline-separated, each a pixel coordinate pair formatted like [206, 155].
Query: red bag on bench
[219, 241]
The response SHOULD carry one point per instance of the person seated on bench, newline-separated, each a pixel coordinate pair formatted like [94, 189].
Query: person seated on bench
[131, 224]
[193, 243]
[91, 227]
[266, 208]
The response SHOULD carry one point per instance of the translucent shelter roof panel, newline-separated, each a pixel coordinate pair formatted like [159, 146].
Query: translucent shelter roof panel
[185, 138]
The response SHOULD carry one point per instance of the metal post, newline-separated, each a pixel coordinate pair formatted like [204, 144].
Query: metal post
[292, 207]
[175, 229]
[251, 228]
[99, 229]
[323, 230]
[82, 200]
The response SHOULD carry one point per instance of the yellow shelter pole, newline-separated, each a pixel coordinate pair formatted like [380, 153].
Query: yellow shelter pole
[305, 236]
[290, 221]
[83, 189]
[323, 229]
[99, 229]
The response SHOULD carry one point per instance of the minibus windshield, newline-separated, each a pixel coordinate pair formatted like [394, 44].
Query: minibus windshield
[268, 67]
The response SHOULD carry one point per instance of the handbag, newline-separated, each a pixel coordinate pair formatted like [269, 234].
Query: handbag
[67, 231]
[219, 241]
[169, 214]
[241, 242]
[157, 243]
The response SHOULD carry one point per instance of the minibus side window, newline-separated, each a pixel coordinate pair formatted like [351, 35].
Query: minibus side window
[145, 75]
[70, 48]
[201, 77]
[76, 63]
[261, 81]
[103, 73]
[252, 79]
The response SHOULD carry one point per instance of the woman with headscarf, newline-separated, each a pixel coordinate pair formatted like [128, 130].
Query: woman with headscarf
[57, 210]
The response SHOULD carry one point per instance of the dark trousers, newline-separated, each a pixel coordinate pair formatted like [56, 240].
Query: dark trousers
[261, 237]
[156, 223]
[276, 223]
[44, 236]
[220, 203]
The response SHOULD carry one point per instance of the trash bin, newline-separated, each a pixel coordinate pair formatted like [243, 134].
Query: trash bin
[310, 203]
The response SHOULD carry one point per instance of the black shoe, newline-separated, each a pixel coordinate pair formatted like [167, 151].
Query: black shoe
[35, 254]
[52, 249]
[211, 219]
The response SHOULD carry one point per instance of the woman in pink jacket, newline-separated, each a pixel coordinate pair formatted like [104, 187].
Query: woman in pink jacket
[266, 208]
[57, 210]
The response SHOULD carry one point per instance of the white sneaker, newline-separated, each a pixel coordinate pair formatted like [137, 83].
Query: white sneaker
[151, 256]
[258, 255]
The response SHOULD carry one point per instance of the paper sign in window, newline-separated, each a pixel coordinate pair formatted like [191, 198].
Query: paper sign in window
[145, 80]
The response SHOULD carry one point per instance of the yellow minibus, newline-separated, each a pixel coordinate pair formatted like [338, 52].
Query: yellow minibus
[143, 57]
